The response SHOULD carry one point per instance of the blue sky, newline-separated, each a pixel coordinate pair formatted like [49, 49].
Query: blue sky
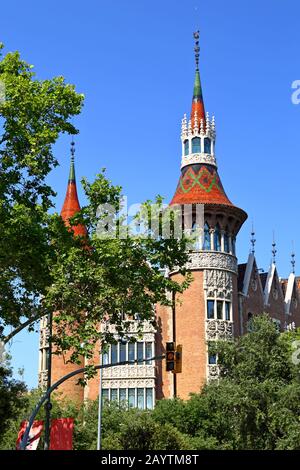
[134, 62]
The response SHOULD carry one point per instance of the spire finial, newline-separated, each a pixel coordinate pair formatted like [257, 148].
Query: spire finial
[72, 167]
[293, 262]
[253, 239]
[72, 149]
[274, 250]
[197, 48]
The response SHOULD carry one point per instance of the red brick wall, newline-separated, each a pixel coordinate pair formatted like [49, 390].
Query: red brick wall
[190, 332]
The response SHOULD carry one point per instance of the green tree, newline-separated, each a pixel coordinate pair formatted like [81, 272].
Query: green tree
[250, 406]
[12, 395]
[33, 114]
[43, 268]
[111, 278]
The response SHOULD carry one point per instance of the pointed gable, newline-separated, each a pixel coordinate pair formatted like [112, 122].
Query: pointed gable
[291, 295]
[273, 293]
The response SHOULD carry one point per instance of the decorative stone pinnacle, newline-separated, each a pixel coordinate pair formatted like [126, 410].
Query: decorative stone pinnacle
[253, 240]
[293, 261]
[274, 250]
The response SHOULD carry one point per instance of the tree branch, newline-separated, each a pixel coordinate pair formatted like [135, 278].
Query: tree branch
[19, 328]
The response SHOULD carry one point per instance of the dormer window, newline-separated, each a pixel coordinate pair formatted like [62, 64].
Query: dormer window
[196, 145]
[186, 147]
[207, 145]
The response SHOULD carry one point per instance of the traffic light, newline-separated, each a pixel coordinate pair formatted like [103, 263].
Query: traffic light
[173, 358]
[170, 357]
[178, 359]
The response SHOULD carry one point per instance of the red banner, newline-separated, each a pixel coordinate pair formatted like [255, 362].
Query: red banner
[61, 434]
[34, 435]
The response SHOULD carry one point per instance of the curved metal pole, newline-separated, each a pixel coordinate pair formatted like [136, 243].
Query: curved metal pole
[68, 376]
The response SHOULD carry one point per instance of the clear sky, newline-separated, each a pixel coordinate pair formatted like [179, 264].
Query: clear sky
[133, 60]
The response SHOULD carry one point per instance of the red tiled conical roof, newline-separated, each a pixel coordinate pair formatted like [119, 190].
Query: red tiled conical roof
[71, 204]
[200, 183]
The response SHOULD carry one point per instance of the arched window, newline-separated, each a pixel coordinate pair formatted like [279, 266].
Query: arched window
[217, 238]
[196, 145]
[186, 147]
[207, 145]
[226, 242]
[206, 240]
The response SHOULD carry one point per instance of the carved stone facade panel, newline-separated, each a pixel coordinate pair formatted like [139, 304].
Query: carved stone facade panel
[42, 380]
[212, 260]
[198, 158]
[131, 372]
[218, 283]
[213, 372]
[127, 383]
[219, 329]
[135, 327]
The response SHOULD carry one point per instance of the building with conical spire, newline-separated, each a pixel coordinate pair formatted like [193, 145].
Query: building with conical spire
[220, 301]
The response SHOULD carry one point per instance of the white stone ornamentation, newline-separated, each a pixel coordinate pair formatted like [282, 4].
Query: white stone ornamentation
[212, 260]
[129, 371]
[213, 372]
[193, 158]
[127, 383]
[218, 283]
[219, 330]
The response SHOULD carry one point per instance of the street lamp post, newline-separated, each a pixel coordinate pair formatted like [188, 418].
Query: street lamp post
[100, 404]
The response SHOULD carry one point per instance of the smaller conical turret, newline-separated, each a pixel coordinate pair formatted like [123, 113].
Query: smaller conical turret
[71, 204]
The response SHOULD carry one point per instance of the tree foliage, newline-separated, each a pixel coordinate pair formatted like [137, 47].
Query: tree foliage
[33, 114]
[255, 405]
[12, 393]
[43, 267]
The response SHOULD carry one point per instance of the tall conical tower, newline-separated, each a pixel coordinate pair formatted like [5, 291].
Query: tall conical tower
[58, 364]
[208, 309]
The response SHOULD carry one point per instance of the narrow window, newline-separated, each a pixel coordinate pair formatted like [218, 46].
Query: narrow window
[140, 351]
[226, 242]
[212, 359]
[140, 398]
[217, 238]
[210, 309]
[105, 358]
[122, 352]
[105, 394]
[131, 397]
[206, 241]
[149, 398]
[131, 352]
[227, 311]
[196, 145]
[207, 145]
[186, 147]
[148, 347]
[114, 353]
[122, 394]
[233, 246]
[219, 310]
[114, 394]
